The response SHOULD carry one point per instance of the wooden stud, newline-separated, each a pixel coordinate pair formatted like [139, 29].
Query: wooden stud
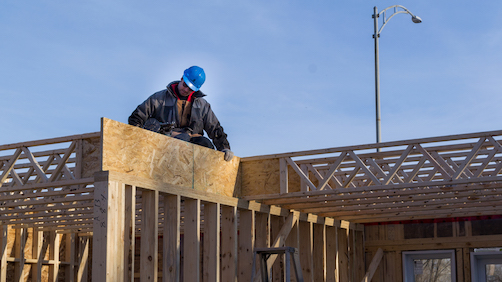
[331, 253]
[306, 250]
[191, 254]
[129, 229]
[149, 235]
[55, 240]
[246, 244]
[283, 176]
[343, 256]
[459, 260]
[319, 250]
[70, 256]
[211, 242]
[36, 249]
[229, 248]
[359, 266]
[276, 222]
[467, 264]
[293, 240]
[3, 252]
[108, 229]
[171, 239]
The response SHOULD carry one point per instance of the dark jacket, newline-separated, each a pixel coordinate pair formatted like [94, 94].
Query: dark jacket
[162, 106]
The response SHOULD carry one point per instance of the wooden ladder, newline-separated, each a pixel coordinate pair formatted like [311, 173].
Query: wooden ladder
[265, 253]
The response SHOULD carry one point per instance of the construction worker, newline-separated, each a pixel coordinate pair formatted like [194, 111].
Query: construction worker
[182, 106]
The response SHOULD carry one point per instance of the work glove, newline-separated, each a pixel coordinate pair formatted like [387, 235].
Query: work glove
[228, 155]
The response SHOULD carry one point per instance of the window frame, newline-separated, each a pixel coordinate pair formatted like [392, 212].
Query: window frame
[410, 256]
[479, 260]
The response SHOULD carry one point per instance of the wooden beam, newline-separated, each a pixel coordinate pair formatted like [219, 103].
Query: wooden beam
[229, 251]
[129, 229]
[246, 244]
[171, 239]
[212, 242]
[373, 266]
[108, 229]
[149, 235]
[191, 268]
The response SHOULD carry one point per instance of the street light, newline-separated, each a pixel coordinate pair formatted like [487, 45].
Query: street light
[398, 9]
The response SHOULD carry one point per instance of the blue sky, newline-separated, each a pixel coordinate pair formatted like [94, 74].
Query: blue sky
[282, 76]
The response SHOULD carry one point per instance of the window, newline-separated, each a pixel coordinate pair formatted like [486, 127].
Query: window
[486, 266]
[429, 266]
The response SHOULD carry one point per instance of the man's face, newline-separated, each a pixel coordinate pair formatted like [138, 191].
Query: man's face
[184, 89]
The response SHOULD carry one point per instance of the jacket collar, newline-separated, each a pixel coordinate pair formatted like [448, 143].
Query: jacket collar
[196, 94]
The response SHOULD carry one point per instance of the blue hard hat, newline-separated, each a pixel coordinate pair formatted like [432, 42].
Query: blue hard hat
[194, 77]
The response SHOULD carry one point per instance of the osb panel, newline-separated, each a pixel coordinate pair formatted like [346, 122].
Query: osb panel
[260, 177]
[263, 177]
[91, 156]
[213, 174]
[293, 180]
[132, 150]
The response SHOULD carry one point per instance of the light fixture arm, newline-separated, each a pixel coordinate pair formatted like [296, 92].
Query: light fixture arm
[396, 11]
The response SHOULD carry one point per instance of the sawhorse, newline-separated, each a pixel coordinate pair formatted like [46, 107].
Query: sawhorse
[264, 254]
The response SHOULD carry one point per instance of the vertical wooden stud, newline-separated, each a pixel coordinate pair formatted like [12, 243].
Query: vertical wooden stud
[149, 236]
[3, 252]
[331, 253]
[467, 258]
[55, 241]
[343, 255]
[359, 268]
[37, 242]
[276, 222]
[306, 250]
[108, 229]
[293, 241]
[191, 254]
[283, 175]
[171, 239]
[246, 244]
[262, 234]
[211, 242]
[459, 264]
[129, 229]
[229, 248]
[319, 251]
[70, 256]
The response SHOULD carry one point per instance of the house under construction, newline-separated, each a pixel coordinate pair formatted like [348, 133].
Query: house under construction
[127, 204]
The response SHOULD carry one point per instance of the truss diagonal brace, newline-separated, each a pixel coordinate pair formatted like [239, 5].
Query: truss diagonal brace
[62, 162]
[398, 164]
[7, 169]
[469, 158]
[332, 170]
[364, 168]
[300, 173]
[434, 162]
[40, 172]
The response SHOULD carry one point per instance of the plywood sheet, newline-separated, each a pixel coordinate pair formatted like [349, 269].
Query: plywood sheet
[135, 151]
[213, 174]
[132, 150]
[260, 177]
[263, 177]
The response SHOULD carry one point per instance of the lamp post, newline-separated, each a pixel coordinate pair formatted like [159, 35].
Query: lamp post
[398, 9]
